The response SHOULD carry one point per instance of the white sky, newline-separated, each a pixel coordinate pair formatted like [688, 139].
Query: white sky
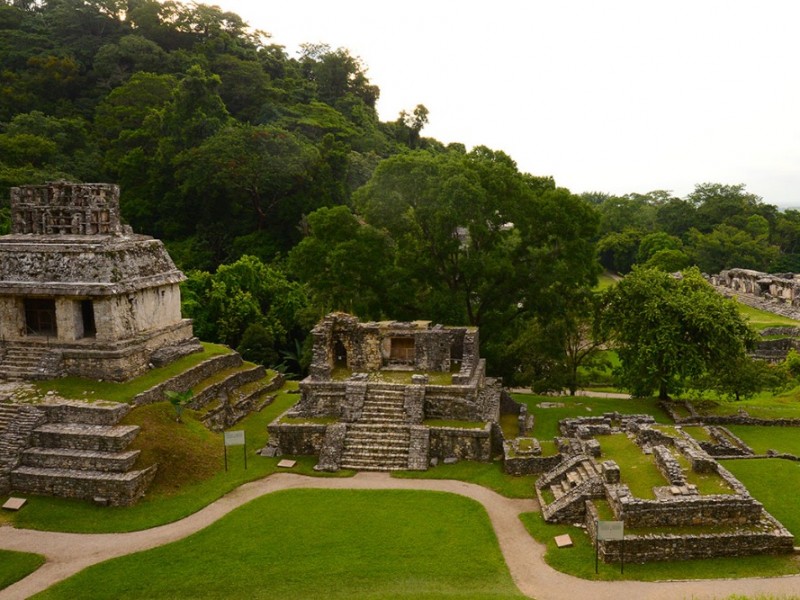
[615, 96]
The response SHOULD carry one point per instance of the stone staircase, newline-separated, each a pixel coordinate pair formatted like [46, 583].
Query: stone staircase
[571, 483]
[29, 362]
[81, 452]
[17, 423]
[380, 439]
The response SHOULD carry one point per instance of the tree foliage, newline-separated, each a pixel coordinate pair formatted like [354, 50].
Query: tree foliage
[668, 330]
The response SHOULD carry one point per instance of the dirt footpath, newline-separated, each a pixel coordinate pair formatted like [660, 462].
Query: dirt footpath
[68, 553]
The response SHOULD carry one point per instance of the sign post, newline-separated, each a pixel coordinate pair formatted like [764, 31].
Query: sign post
[235, 438]
[610, 531]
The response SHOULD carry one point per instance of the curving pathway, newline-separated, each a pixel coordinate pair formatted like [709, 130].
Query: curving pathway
[68, 553]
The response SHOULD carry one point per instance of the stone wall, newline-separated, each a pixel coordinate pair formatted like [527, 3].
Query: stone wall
[464, 444]
[297, 438]
[74, 411]
[528, 465]
[773, 538]
[342, 340]
[778, 293]
[189, 378]
[113, 489]
[683, 511]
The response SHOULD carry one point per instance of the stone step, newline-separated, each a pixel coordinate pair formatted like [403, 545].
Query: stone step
[356, 447]
[557, 490]
[379, 459]
[395, 437]
[84, 460]
[383, 410]
[367, 466]
[100, 486]
[80, 436]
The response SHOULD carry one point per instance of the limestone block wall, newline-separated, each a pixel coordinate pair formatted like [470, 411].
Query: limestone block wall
[117, 489]
[451, 402]
[189, 378]
[464, 444]
[12, 318]
[292, 438]
[121, 317]
[125, 360]
[772, 539]
[320, 399]
[685, 511]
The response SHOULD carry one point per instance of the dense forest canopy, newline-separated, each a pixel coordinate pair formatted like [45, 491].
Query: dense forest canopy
[282, 194]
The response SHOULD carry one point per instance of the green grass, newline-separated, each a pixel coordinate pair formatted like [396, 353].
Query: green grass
[761, 319]
[774, 482]
[763, 438]
[488, 475]
[300, 544]
[766, 405]
[16, 565]
[546, 419]
[89, 389]
[698, 433]
[637, 470]
[191, 472]
[579, 560]
[604, 281]
[708, 484]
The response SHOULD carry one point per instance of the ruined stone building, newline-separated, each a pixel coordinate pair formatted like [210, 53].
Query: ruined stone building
[391, 395]
[80, 293]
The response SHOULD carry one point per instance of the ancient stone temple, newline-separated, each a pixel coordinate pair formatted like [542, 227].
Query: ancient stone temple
[80, 293]
[390, 396]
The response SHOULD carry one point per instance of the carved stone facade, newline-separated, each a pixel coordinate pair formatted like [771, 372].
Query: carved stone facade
[80, 293]
[380, 383]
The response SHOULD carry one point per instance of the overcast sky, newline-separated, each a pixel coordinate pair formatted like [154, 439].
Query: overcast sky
[614, 96]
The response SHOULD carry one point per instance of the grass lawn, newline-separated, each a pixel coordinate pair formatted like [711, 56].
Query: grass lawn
[773, 482]
[765, 405]
[579, 560]
[489, 475]
[318, 544]
[637, 469]
[761, 319]
[763, 438]
[88, 389]
[16, 565]
[191, 472]
[546, 419]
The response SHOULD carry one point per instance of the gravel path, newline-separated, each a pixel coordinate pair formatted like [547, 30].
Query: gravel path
[68, 553]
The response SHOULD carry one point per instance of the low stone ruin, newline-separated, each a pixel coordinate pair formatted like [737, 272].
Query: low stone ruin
[374, 388]
[727, 524]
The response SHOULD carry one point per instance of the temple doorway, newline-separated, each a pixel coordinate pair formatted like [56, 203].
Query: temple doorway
[40, 316]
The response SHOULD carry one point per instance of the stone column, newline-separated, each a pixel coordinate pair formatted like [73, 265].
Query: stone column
[12, 318]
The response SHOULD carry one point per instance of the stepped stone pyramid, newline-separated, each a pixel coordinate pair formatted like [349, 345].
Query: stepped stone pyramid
[72, 450]
[80, 293]
[373, 389]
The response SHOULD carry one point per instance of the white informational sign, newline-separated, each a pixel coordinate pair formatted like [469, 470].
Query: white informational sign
[610, 530]
[234, 438]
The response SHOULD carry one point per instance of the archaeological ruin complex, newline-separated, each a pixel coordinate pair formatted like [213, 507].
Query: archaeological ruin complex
[390, 396]
[80, 293]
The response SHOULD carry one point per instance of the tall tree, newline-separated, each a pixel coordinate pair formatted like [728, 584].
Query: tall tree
[478, 242]
[668, 329]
